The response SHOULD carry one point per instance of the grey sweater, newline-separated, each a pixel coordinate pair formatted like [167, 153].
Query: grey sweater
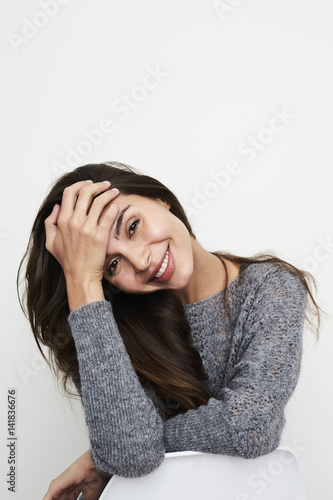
[252, 366]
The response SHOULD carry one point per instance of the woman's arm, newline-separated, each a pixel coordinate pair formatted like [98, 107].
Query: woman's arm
[248, 418]
[125, 430]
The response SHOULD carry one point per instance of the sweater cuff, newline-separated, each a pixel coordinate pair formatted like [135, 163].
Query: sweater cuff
[90, 308]
[93, 325]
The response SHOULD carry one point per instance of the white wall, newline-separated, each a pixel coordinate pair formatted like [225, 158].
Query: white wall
[223, 72]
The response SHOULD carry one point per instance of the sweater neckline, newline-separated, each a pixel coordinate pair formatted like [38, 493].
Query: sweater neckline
[212, 298]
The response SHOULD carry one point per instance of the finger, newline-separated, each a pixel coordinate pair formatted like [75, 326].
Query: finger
[65, 491]
[69, 197]
[107, 220]
[47, 496]
[86, 197]
[108, 217]
[52, 218]
[51, 229]
[100, 206]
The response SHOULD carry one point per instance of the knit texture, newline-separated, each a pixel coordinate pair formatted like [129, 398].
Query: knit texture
[252, 366]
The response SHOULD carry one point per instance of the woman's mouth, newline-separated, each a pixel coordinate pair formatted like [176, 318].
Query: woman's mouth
[167, 268]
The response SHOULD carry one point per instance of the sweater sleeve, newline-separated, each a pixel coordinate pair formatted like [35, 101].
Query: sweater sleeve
[125, 430]
[248, 419]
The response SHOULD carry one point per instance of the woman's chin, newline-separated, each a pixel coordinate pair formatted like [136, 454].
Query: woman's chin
[181, 282]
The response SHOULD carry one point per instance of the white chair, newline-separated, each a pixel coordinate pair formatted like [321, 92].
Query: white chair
[205, 476]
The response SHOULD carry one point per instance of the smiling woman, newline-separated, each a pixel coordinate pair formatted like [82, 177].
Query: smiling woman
[138, 250]
[171, 347]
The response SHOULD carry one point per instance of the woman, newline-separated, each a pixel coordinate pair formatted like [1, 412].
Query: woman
[170, 347]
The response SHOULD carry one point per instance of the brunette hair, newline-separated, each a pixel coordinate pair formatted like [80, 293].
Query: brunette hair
[153, 325]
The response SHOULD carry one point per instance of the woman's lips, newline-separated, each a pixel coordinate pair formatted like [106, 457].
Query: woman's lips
[170, 269]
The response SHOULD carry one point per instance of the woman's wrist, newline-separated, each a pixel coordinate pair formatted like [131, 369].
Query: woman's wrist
[80, 293]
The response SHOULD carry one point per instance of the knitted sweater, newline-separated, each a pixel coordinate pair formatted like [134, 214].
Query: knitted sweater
[252, 364]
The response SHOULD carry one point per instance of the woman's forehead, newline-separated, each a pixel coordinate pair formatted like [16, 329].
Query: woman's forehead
[134, 200]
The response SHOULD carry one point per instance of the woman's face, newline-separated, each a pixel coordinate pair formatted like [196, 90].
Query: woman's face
[146, 240]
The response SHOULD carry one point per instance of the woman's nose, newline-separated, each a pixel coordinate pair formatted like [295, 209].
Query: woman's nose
[140, 258]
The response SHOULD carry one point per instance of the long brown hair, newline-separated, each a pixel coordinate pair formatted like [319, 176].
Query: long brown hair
[153, 326]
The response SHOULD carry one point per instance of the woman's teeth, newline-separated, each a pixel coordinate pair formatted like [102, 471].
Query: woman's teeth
[164, 265]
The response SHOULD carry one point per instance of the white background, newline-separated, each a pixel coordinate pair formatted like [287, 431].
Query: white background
[224, 72]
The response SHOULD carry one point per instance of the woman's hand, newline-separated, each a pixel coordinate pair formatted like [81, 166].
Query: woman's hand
[80, 477]
[77, 234]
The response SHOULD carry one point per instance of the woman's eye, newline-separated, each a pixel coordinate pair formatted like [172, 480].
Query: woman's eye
[112, 267]
[133, 227]
[131, 231]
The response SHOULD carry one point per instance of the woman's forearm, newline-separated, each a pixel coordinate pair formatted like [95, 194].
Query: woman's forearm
[79, 293]
[125, 430]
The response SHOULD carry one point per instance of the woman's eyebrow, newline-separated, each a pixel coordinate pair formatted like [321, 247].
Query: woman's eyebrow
[120, 220]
